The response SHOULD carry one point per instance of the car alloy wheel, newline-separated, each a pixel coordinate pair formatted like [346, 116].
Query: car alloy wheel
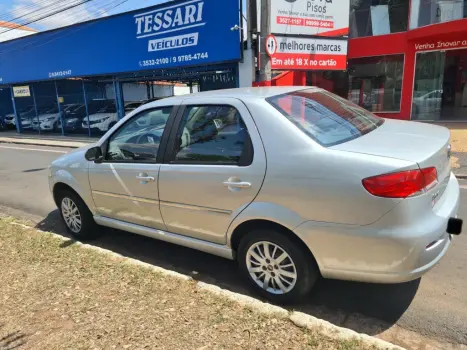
[271, 268]
[71, 215]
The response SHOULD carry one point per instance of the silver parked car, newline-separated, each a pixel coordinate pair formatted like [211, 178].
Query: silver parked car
[293, 182]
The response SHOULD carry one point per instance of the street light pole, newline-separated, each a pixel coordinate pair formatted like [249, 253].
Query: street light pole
[264, 59]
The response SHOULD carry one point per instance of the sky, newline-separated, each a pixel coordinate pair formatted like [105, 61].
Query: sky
[22, 11]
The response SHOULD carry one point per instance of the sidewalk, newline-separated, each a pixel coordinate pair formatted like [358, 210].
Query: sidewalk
[459, 148]
[46, 140]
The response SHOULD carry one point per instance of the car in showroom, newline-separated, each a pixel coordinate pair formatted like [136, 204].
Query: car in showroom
[107, 116]
[425, 105]
[295, 183]
[131, 106]
[47, 119]
[74, 116]
[103, 119]
[26, 114]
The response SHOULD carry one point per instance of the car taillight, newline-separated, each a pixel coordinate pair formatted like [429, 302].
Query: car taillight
[401, 184]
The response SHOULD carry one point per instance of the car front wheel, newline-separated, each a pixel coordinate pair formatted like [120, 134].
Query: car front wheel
[276, 267]
[76, 215]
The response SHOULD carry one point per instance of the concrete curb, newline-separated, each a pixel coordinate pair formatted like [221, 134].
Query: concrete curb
[461, 176]
[48, 143]
[300, 319]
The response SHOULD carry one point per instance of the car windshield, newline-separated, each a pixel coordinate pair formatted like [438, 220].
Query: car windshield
[132, 106]
[51, 110]
[108, 109]
[70, 108]
[325, 117]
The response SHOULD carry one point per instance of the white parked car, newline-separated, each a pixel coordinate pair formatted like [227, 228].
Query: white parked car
[294, 183]
[428, 105]
[104, 119]
[47, 120]
[50, 119]
[10, 120]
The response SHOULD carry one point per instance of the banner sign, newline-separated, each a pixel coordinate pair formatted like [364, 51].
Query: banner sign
[440, 45]
[310, 17]
[307, 53]
[175, 34]
[21, 91]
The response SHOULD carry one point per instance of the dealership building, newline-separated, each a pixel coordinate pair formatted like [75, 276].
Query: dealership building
[83, 78]
[404, 59]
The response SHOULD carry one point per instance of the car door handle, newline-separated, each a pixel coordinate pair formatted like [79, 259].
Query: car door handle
[145, 178]
[237, 184]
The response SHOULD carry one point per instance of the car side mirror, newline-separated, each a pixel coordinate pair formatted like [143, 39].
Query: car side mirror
[94, 154]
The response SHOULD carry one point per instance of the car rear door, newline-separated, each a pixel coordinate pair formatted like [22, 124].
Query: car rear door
[213, 169]
[125, 185]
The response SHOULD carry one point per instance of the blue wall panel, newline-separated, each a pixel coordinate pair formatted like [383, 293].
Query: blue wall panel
[174, 34]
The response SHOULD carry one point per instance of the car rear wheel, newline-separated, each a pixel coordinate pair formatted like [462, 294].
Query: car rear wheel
[276, 267]
[76, 215]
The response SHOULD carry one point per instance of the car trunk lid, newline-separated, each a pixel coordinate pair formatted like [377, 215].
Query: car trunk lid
[424, 144]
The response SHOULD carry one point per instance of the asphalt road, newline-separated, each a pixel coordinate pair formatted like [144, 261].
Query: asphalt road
[435, 306]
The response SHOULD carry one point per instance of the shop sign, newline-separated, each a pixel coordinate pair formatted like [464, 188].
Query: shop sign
[441, 45]
[307, 53]
[310, 17]
[175, 34]
[21, 91]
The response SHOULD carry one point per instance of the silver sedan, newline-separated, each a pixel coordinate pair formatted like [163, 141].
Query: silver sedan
[293, 182]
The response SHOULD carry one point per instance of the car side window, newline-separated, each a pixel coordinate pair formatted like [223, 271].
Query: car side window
[139, 138]
[212, 134]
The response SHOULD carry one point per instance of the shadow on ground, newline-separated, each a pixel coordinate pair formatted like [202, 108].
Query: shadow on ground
[363, 307]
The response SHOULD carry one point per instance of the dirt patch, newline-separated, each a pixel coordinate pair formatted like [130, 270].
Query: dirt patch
[57, 295]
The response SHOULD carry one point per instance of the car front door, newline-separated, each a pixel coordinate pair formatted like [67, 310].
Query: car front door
[214, 168]
[125, 185]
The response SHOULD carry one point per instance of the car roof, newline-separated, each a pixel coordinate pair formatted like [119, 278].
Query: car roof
[240, 93]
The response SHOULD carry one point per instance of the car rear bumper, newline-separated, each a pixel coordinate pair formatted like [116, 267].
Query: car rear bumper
[388, 251]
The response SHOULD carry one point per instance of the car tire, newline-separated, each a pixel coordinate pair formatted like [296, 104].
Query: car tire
[76, 215]
[289, 279]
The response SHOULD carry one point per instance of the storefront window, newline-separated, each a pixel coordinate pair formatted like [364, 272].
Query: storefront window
[374, 83]
[378, 17]
[425, 12]
[440, 86]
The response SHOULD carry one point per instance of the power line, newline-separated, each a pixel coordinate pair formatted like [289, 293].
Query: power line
[94, 11]
[57, 35]
[46, 13]
[89, 12]
[36, 10]
[44, 17]
[24, 8]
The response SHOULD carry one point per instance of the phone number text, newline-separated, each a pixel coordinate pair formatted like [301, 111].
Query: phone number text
[174, 59]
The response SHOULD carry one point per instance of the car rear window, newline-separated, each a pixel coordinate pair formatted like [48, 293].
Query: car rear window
[326, 118]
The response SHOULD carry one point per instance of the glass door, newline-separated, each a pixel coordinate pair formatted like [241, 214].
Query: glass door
[428, 85]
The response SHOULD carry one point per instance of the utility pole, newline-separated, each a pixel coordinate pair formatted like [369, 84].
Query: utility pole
[264, 59]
